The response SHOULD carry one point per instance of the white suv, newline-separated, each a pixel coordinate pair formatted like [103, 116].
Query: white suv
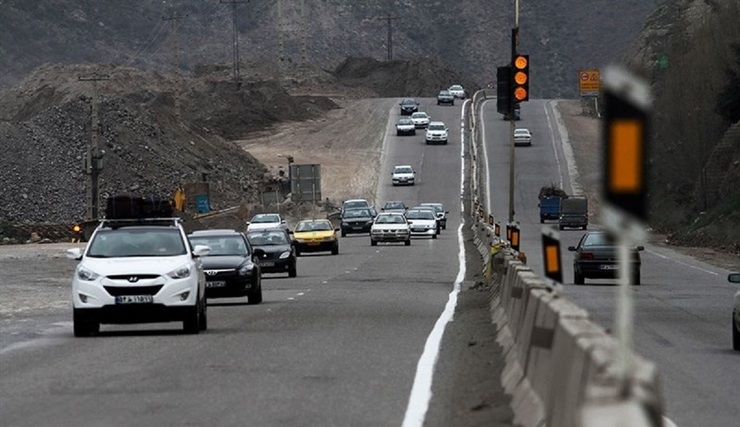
[436, 133]
[138, 271]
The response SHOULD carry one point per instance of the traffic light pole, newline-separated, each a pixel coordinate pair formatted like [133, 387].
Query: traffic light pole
[512, 123]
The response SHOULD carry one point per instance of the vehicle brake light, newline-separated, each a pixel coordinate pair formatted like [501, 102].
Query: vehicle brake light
[587, 255]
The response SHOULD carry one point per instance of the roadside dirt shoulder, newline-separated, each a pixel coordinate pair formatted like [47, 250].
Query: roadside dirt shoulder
[347, 143]
[584, 134]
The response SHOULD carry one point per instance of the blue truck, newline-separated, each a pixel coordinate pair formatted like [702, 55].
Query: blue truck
[549, 208]
[549, 203]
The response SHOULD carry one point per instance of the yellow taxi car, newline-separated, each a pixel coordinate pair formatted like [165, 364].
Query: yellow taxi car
[315, 235]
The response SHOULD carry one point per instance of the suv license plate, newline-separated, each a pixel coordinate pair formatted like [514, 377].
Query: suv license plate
[134, 299]
[216, 284]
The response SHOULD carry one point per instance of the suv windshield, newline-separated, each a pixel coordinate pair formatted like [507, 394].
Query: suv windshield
[436, 127]
[403, 170]
[136, 242]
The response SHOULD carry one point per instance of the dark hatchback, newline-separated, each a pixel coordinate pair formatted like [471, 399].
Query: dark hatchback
[597, 257]
[230, 267]
[445, 97]
[355, 221]
[278, 254]
[408, 107]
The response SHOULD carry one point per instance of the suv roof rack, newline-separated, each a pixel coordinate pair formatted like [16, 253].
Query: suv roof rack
[117, 223]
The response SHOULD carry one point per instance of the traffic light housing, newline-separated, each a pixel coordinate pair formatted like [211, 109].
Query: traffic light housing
[520, 78]
[503, 90]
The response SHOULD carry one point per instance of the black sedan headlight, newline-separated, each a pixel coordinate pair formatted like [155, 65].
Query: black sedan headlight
[246, 269]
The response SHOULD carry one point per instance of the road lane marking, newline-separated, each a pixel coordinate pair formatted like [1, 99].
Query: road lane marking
[548, 112]
[567, 152]
[682, 263]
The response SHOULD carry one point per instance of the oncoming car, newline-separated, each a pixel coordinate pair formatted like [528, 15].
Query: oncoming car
[420, 119]
[266, 221]
[403, 175]
[436, 133]
[315, 235]
[405, 127]
[278, 253]
[138, 271]
[457, 91]
[408, 106]
[390, 227]
[232, 265]
[422, 222]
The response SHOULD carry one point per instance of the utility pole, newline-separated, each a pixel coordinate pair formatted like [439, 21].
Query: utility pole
[390, 18]
[94, 157]
[304, 25]
[281, 42]
[235, 40]
[174, 18]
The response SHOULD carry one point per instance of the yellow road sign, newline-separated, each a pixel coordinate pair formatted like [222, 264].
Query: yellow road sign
[589, 81]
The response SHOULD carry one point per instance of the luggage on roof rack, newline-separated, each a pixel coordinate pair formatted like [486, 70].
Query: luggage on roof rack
[132, 206]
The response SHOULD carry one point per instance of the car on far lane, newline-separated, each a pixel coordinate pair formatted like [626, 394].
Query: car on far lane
[597, 257]
[405, 127]
[390, 227]
[445, 97]
[522, 136]
[420, 119]
[403, 175]
[409, 106]
[266, 221]
[315, 235]
[423, 222]
[457, 91]
[735, 278]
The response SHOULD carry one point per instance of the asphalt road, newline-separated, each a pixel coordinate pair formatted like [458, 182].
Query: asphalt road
[683, 307]
[342, 344]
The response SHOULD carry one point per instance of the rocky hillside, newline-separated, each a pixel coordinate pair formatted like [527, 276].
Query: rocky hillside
[474, 35]
[690, 51]
[45, 128]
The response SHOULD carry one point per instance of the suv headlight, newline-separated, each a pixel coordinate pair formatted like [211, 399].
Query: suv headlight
[285, 254]
[87, 275]
[180, 272]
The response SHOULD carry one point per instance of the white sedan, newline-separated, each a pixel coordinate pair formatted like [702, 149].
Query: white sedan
[390, 227]
[522, 136]
[420, 119]
[457, 91]
[267, 221]
[423, 222]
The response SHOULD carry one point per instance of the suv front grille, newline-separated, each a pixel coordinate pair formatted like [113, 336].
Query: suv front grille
[117, 291]
[128, 277]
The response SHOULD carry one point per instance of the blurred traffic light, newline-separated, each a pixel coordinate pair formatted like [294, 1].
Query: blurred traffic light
[520, 78]
[503, 90]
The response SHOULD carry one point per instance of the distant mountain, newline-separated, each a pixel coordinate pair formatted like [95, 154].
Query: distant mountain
[561, 36]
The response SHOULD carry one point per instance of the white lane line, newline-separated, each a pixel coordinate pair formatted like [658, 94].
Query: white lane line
[567, 151]
[421, 391]
[682, 263]
[668, 423]
[548, 113]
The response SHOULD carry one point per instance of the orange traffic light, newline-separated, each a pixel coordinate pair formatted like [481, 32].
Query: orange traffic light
[520, 86]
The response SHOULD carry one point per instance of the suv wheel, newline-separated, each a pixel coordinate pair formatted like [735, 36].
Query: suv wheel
[191, 323]
[578, 278]
[84, 325]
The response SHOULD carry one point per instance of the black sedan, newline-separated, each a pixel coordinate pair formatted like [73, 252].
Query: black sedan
[357, 221]
[278, 254]
[445, 97]
[408, 106]
[230, 267]
[597, 257]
